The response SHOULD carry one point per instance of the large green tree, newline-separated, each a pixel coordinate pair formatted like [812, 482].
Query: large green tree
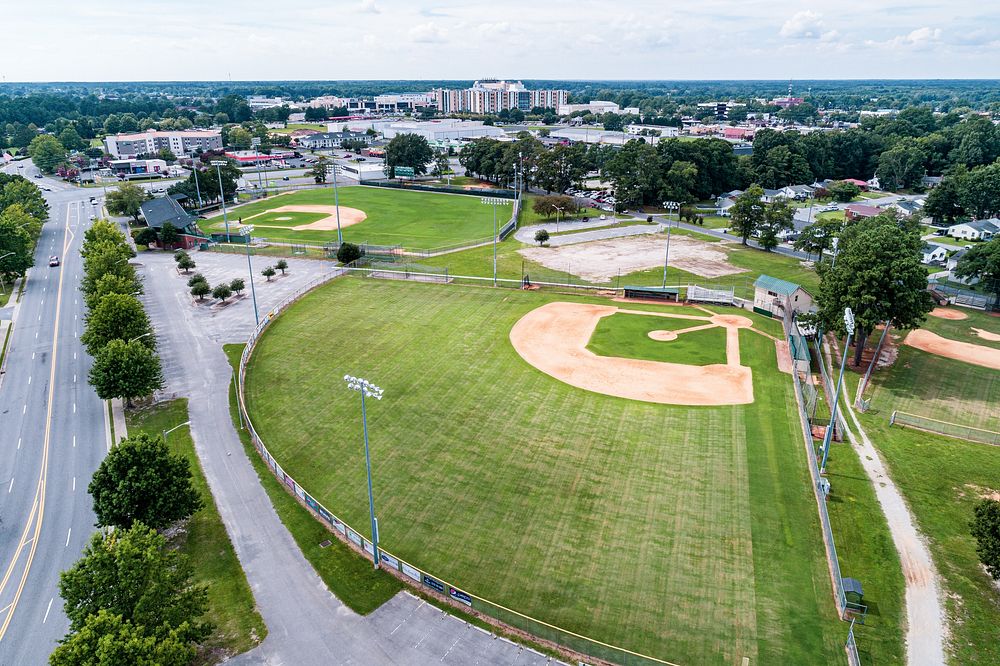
[817, 237]
[18, 190]
[17, 233]
[125, 370]
[131, 573]
[982, 261]
[902, 166]
[748, 212]
[878, 275]
[126, 200]
[46, 152]
[112, 283]
[117, 317]
[408, 150]
[106, 639]
[985, 530]
[103, 259]
[778, 217]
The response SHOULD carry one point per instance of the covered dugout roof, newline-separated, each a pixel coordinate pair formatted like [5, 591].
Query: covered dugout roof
[777, 285]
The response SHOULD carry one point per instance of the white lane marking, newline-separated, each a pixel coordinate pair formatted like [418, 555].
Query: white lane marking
[74, 441]
[74, 356]
[74, 484]
[39, 317]
[24, 409]
[11, 486]
[32, 356]
[47, 609]
[67, 536]
[19, 443]
[36, 335]
[74, 301]
[74, 379]
[29, 380]
[74, 408]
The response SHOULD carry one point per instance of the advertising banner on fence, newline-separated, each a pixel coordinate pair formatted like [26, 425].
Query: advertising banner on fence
[458, 595]
[433, 584]
[340, 526]
[311, 503]
[389, 560]
[354, 536]
[367, 545]
[410, 571]
[326, 514]
[300, 492]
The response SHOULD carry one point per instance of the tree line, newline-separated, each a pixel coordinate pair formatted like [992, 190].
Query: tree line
[23, 210]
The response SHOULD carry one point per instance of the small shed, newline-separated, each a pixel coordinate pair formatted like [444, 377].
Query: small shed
[652, 293]
[774, 297]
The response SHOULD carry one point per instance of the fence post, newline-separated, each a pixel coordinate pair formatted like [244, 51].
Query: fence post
[892, 419]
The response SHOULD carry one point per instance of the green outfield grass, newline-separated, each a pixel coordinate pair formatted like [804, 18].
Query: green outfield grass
[687, 533]
[627, 335]
[237, 626]
[419, 220]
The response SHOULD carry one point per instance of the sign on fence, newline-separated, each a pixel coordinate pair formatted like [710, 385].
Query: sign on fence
[411, 572]
[403, 172]
[458, 595]
[389, 559]
[354, 536]
[433, 584]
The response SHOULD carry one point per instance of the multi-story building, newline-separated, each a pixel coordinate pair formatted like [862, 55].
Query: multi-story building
[437, 131]
[181, 143]
[333, 139]
[493, 96]
[596, 106]
[258, 102]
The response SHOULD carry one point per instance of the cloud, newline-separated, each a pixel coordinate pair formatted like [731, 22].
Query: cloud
[368, 7]
[919, 39]
[428, 33]
[804, 25]
[501, 27]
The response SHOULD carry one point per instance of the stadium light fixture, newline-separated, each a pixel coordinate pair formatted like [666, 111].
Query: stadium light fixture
[334, 169]
[828, 435]
[494, 201]
[218, 164]
[367, 389]
[245, 232]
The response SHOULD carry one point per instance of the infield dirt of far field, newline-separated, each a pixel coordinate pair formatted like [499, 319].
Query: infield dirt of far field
[686, 533]
[417, 220]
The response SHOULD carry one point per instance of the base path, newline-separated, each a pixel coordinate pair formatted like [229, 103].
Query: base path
[554, 337]
[987, 357]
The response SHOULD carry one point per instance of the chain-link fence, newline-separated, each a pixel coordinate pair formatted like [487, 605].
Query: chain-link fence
[958, 430]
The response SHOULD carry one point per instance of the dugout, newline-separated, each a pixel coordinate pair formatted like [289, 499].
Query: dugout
[653, 293]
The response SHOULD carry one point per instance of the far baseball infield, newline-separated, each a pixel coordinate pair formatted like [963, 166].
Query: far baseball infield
[987, 357]
[948, 313]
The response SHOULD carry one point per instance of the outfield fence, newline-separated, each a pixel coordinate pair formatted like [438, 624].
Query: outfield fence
[852, 648]
[417, 577]
[937, 427]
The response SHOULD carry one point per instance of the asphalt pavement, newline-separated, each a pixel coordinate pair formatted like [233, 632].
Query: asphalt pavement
[53, 435]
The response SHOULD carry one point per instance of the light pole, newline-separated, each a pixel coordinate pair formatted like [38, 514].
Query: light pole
[218, 164]
[495, 201]
[366, 388]
[849, 325]
[246, 231]
[197, 186]
[140, 337]
[167, 432]
[558, 214]
[336, 199]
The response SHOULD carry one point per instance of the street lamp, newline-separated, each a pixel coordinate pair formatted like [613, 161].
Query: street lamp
[167, 432]
[366, 388]
[246, 231]
[197, 186]
[495, 201]
[849, 325]
[336, 199]
[558, 214]
[222, 195]
[139, 337]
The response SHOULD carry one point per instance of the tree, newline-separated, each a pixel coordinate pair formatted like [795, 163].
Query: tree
[166, 155]
[319, 170]
[16, 242]
[105, 258]
[943, 202]
[237, 285]
[145, 236]
[269, 272]
[985, 529]
[116, 317]
[747, 212]
[409, 150]
[112, 283]
[982, 261]
[180, 254]
[817, 237]
[133, 574]
[902, 166]
[201, 289]
[348, 253]
[541, 237]
[239, 138]
[46, 152]
[843, 191]
[71, 140]
[777, 217]
[878, 275]
[126, 200]
[195, 279]
[281, 265]
[126, 370]
[186, 263]
[168, 234]
[222, 291]
[106, 639]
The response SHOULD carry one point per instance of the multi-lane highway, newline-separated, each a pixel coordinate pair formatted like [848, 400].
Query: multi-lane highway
[53, 435]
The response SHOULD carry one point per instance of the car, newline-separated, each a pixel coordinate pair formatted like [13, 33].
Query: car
[53, 260]
[93, 217]
[38, 175]
[284, 178]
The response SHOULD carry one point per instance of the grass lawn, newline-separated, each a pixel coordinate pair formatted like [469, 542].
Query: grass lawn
[539, 504]
[942, 479]
[626, 335]
[716, 222]
[529, 216]
[419, 220]
[232, 611]
[298, 126]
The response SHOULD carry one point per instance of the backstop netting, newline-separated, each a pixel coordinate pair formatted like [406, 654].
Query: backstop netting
[725, 295]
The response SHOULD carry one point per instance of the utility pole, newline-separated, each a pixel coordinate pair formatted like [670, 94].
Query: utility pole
[835, 399]
[218, 164]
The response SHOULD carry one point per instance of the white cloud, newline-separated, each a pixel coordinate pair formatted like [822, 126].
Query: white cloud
[919, 39]
[501, 27]
[804, 25]
[428, 33]
[369, 7]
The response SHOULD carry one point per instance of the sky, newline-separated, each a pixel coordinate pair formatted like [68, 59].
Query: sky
[104, 40]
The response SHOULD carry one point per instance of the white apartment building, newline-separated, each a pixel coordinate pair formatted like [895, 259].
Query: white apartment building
[493, 96]
[181, 143]
[595, 107]
[664, 131]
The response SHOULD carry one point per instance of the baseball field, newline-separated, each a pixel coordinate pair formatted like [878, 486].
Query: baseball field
[688, 533]
[381, 216]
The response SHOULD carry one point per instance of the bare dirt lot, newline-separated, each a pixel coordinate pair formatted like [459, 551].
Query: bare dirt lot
[987, 357]
[554, 338]
[600, 261]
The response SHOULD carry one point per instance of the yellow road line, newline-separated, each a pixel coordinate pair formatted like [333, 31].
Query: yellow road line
[43, 473]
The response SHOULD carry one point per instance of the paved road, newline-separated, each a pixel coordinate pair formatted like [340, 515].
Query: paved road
[527, 234]
[53, 437]
[306, 623]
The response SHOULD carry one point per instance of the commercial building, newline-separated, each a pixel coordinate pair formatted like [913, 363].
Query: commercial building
[442, 130]
[181, 143]
[662, 131]
[362, 172]
[595, 107]
[244, 157]
[493, 96]
[126, 168]
[721, 109]
[258, 102]
[333, 139]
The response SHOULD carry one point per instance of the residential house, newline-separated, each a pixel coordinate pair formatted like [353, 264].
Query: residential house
[907, 208]
[774, 297]
[933, 254]
[797, 192]
[863, 184]
[952, 263]
[975, 229]
[770, 196]
[930, 182]
[855, 212]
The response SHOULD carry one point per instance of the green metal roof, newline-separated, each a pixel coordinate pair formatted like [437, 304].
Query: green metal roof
[777, 285]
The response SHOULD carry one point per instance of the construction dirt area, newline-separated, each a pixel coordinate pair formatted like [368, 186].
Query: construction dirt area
[603, 260]
[987, 357]
[348, 217]
[554, 338]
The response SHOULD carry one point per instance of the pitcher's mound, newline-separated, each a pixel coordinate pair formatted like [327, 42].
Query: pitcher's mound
[662, 336]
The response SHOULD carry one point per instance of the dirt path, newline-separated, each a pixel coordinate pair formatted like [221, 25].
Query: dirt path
[926, 624]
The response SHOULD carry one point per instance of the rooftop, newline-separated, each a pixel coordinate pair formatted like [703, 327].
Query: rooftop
[777, 285]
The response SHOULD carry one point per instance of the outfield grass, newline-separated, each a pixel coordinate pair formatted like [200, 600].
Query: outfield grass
[418, 220]
[237, 626]
[687, 533]
[626, 335]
